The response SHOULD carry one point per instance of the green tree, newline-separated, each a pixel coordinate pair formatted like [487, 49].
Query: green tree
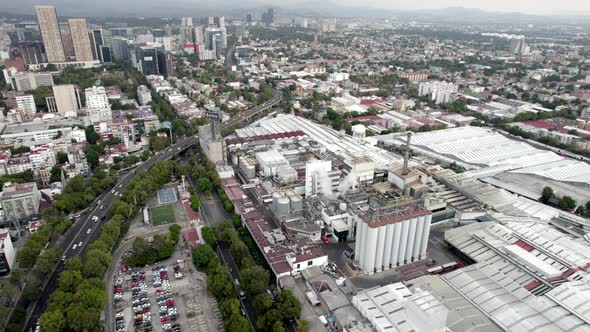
[219, 282]
[158, 143]
[70, 280]
[61, 157]
[547, 195]
[237, 323]
[567, 203]
[55, 174]
[262, 302]
[230, 307]
[254, 280]
[204, 256]
[302, 326]
[195, 202]
[209, 235]
[204, 184]
[239, 250]
[15, 277]
[53, 320]
[288, 304]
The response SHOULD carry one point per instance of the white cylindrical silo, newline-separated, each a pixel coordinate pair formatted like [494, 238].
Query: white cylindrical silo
[411, 237]
[425, 235]
[275, 200]
[418, 238]
[397, 234]
[371, 246]
[358, 241]
[387, 247]
[403, 242]
[296, 202]
[363, 253]
[380, 244]
[282, 207]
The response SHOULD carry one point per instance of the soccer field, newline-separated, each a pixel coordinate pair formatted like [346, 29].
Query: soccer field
[163, 214]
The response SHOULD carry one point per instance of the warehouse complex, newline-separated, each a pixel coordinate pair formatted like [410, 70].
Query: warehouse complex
[301, 188]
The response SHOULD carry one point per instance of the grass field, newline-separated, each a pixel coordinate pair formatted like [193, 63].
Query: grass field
[163, 214]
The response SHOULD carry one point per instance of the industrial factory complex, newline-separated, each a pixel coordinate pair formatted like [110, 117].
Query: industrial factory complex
[380, 233]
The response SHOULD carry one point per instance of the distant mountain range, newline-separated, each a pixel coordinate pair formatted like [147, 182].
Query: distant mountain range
[175, 8]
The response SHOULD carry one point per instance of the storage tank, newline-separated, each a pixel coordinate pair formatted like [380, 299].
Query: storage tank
[282, 207]
[275, 200]
[250, 171]
[296, 203]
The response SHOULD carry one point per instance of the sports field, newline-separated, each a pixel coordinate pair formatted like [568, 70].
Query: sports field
[163, 214]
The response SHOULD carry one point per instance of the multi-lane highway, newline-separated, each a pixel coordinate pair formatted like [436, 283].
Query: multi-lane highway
[85, 229]
[276, 98]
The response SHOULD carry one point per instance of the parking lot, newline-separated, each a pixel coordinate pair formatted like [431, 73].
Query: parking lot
[170, 297]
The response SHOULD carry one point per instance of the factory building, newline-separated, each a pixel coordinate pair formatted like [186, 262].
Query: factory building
[395, 308]
[391, 235]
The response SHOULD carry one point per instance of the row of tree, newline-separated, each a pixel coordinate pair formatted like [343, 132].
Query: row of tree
[78, 302]
[564, 202]
[254, 279]
[81, 294]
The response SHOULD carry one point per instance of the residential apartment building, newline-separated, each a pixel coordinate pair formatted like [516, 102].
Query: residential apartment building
[97, 104]
[20, 199]
[80, 39]
[7, 252]
[47, 17]
[67, 99]
[23, 102]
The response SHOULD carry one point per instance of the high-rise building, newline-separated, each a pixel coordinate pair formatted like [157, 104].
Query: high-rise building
[147, 60]
[47, 17]
[120, 49]
[186, 21]
[519, 47]
[66, 39]
[67, 98]
[32, 52]
[249, 18]
[165, 63]
[97, 104]
[101, 42]
[268, 17]
[219, 21]
[80, 39]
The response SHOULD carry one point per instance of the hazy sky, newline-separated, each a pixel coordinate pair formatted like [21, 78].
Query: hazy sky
[542, 7]
[524, 6]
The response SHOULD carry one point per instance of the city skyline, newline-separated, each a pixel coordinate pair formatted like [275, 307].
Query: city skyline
[543, 8]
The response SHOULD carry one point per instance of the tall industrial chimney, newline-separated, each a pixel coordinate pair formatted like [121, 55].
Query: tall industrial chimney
[407, 154]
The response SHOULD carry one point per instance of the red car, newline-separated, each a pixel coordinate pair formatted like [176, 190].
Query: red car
[170, 303]
[164, 319]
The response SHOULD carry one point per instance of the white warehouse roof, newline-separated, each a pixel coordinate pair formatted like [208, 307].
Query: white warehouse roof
[395, 308]
[487, 148]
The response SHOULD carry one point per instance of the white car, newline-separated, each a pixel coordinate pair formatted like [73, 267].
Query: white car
[74, 247]
[80, 244]
[89, 230]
